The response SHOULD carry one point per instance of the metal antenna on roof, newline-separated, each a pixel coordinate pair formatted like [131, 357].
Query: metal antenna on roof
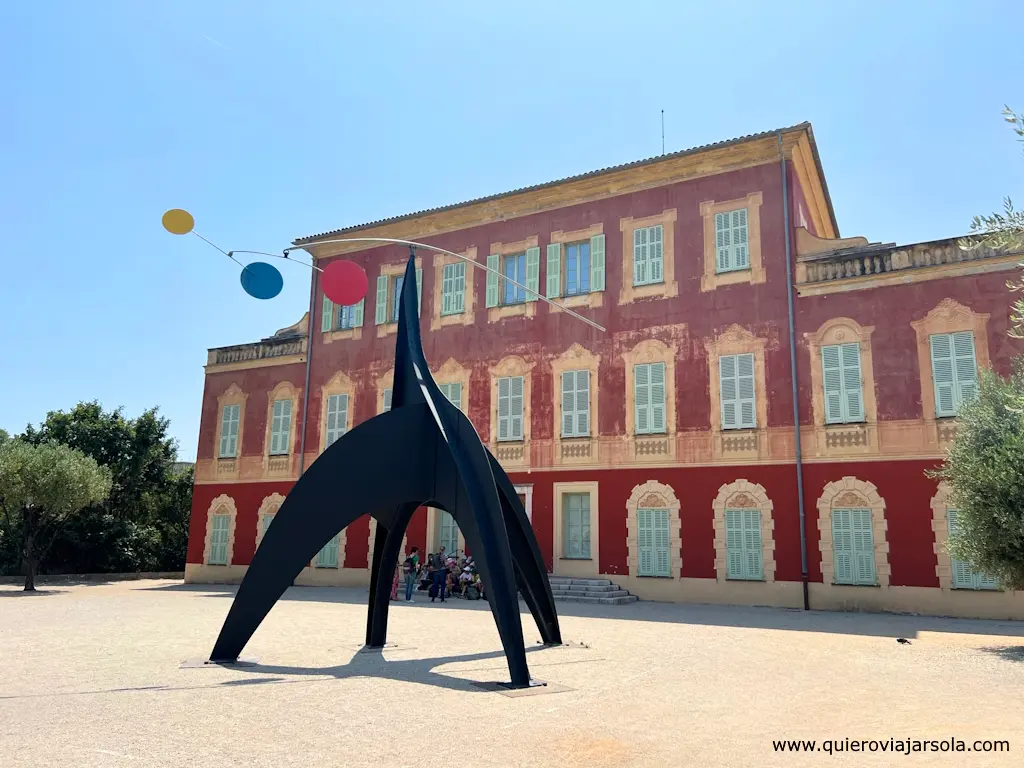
[663, 131]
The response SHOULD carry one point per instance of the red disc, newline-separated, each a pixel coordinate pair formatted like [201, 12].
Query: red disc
[344, 282]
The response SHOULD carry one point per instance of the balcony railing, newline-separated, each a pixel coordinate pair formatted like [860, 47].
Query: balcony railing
[259, 350]
[880, 259]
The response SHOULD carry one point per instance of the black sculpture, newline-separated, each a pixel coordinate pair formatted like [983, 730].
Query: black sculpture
[423, 451]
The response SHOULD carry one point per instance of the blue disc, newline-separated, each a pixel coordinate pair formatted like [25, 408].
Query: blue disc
[261, 280]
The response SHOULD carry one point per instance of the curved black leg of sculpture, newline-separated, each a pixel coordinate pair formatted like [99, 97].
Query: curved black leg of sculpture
[422, 450]
[529, 562]
[386, 550]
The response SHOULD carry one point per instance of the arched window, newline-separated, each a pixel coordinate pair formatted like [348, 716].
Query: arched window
[220, 531]
[852, 530]
[653, 531]
[952, 573]
[266, 513]
[744, 533]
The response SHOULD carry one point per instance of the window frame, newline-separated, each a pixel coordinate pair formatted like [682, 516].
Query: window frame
[584, 524]
[237, 422]
[280, 427]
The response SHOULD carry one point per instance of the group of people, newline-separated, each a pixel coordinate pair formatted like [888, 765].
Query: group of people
[441, 576]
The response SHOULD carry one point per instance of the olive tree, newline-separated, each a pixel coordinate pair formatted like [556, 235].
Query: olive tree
[985, 470]
[42, 487]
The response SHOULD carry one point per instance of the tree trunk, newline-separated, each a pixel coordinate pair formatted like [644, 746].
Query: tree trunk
[29, 560]
[30, 575]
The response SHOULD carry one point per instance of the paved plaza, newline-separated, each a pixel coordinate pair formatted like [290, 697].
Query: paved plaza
[90, 676]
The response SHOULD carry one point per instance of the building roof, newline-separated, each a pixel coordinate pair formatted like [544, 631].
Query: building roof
[805, 126]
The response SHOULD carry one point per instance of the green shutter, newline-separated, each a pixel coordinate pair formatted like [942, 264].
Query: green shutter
[419, 292]
[657, 397]
[532, 273]
[962, 576]
[280, 429]
[357, 313]
[965, 367]
[453, 288]
[645, 541]
[728, 391]
[745, 391]
[853, 398]
[741, 255]
[504, 415]
[642, 398]
[641, 272]
[662, 536]
[752, 545]
[582, 403]
[493, 272]
[656, 254]
[229, 431]
[569, 404]
[327, 316]
[733, 544]
[381, 310]
[554, 266]
[942, 374]
[219, 525]
[267, 520]
[597, 263]
[842, 546]
[328, 556]
[723, 243]
[832, 378]
[863, 547]
[516, 408]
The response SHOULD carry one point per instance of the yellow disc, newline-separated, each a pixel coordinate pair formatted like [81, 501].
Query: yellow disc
[178, 222]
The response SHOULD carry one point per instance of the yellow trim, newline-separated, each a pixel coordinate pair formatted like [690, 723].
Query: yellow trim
[592, 299]
[948, 316]
[283, 465]
[736, 340]
[672, 170]
[511, 453]
[755, 273]
[742, 494]
[813, 186]
[857, 494]
[575, 450]
[573, 567]
[846, 439]
[222, 505]
[654, 495]
[437, 320]
[908, 276]
[269, 506]
[339, 384]
[668, 287]
[657, 445]
[247, 365]
[228, 468]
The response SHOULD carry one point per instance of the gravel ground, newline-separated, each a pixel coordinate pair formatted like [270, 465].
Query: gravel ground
[90, 676]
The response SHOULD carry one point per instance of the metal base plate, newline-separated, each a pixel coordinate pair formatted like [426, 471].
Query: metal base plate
[536, 688]
[385, 647]
[204, 663]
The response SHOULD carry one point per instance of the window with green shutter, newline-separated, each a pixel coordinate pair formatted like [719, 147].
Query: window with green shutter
[493, 280]
[954, 371]
[380, 309]
[337, 418]
[731, 241]
[327, 315]
[219, 528]
[447, 533]
[387, 400]
[576, 526]
[597, 263]
[853, 546]
[229, 421]
[328, 556]
[453, 392]
[510, 408]
[649, 398]
[576, 403]
[736, 384]
[963, 576]
[281, 428]
[577, 268]
[351, 316]
[743, 544]
[513, 268]
[653, 537]
[648, 255]
[453, 288]
[268, 518]
[844, 399]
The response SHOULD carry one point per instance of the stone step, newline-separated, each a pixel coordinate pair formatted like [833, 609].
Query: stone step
[585, 582]
[580, 588]
[621, 599]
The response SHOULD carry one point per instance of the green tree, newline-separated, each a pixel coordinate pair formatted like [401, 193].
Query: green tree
[985, 469]
[1004, 231]
[41, 488]
[137, 528]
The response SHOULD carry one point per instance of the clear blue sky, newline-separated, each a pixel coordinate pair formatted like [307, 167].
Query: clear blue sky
[271, 121]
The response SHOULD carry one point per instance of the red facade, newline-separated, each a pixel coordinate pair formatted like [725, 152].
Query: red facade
[833, 280]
